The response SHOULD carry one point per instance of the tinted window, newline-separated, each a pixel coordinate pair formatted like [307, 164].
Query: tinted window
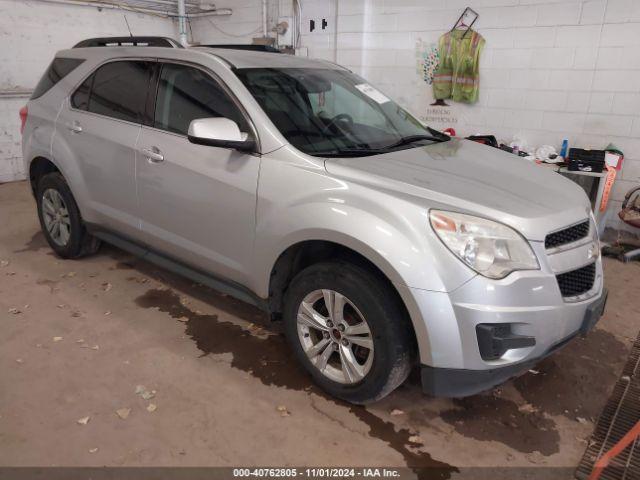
[330, 112]
[186, 93]
[59, 68]
[80, 99]
[118, 90]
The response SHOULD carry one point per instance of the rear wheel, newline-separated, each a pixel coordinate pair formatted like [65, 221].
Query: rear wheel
[60, 219]
[348, 330]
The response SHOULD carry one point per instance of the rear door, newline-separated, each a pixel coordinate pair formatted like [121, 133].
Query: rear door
[197, 203]
[101, 125]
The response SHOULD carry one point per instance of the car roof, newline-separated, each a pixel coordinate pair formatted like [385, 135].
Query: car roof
[254, 59]
[234, 58]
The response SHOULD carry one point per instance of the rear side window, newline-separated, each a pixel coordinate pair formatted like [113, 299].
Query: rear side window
[186, 93]
[117, 90]
[59, 68]
[80, 99]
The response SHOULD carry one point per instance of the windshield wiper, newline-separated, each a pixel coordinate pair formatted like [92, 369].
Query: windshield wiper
[442, 137]
[350, 152]
[435, 136]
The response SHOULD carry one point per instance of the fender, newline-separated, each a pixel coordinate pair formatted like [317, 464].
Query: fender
[389, 230]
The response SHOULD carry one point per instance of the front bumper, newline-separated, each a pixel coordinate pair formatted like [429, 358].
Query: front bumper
[453, 382]
[528, 302]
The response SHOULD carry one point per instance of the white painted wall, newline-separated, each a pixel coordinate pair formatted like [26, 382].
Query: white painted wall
[241, 27]
[552, 69]
[30, 34]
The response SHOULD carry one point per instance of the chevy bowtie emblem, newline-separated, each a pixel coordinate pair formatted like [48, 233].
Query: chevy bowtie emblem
[592, 252]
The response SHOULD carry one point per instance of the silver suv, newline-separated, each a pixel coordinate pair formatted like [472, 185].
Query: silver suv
[297, 186]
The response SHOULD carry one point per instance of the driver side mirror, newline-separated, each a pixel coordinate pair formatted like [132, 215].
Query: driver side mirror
[219, 132]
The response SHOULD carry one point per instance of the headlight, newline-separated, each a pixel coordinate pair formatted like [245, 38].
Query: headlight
[490, 248]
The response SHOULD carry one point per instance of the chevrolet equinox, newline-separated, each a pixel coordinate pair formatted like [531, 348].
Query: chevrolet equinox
[296, 185]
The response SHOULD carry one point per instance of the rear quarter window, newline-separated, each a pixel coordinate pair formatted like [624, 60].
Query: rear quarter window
[59, 68]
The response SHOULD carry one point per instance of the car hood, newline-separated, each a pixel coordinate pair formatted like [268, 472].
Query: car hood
[466, 176]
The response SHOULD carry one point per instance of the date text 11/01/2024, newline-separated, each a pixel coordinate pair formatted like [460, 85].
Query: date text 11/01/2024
[317, 472]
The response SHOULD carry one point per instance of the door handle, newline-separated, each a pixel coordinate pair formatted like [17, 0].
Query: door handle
[152, 154]
[74, 127]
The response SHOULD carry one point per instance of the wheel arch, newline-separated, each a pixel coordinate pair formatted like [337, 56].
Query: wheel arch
[303, 254]
[38, 167]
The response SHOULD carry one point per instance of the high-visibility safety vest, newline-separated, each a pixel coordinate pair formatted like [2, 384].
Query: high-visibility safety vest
[458, 76]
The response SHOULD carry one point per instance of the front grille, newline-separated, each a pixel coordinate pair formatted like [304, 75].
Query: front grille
[567, 235]
[577, 282]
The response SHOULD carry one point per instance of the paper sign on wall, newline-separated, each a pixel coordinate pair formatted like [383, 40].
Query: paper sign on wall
[375, 95]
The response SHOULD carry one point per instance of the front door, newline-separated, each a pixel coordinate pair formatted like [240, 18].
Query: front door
[197, 203]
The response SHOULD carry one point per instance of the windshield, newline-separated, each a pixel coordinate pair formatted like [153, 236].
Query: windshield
[327, 112]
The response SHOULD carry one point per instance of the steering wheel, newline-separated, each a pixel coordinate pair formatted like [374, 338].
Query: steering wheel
[341, 117]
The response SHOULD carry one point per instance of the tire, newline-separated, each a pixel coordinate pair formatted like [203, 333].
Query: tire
[71, 239]
[368, 298]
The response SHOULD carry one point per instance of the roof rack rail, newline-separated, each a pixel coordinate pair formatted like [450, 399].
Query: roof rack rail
[237, 46]
[129, 42]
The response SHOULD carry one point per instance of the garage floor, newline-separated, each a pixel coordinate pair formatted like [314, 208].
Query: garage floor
[78, 337]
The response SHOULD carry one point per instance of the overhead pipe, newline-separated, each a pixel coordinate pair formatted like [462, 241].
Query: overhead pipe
[214, 13]
[173, 2]
[15, 93]
[264, 18]
[149, 11]
[110, 6]
[182, 23]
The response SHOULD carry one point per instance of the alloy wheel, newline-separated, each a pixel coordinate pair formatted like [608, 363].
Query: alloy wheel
[335, 336]
[56, 217]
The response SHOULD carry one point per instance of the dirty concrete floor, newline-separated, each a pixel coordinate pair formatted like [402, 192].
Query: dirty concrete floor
[77, 338]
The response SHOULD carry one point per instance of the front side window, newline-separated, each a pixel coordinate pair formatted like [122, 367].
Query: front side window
[117, 90]
[185, 94]
[333, 112]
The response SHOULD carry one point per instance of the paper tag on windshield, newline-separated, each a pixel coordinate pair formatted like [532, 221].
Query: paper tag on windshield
[375, 95]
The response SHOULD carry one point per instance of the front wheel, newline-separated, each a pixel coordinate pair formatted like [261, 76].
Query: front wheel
[349, 331]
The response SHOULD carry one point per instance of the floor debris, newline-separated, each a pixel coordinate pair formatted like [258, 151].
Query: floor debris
[14, 311]
[535, 457]
[57, 339]
[152, 407]
[527, 408]
[283, 411]
[83, 420]
[144, 393]
[396, 411]
[123, 413]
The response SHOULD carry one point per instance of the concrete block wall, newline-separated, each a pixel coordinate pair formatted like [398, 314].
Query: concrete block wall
[240, 27]
[551, 69]
[31, 32]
